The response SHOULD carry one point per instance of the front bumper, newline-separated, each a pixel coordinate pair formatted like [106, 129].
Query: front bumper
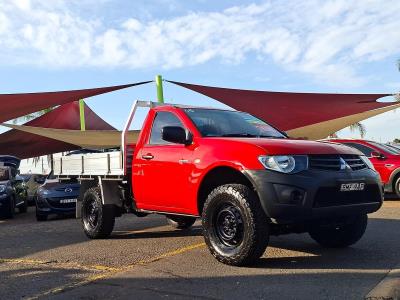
[48, 206]
[315, 194]
[4, 200]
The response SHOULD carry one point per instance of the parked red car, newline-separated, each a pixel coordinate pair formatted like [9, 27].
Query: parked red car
[385, 158]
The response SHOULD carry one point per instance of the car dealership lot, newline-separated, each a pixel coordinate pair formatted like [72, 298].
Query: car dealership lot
[146, 258]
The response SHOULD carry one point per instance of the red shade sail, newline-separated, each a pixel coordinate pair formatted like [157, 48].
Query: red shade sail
[26, 145]
[288, 111]
[18, 105]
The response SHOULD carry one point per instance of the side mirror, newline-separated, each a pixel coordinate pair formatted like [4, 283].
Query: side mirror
[177, 135]
[40, 180]
[376, 154]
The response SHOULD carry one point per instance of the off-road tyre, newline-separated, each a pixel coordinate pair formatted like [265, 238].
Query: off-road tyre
[97, 219]
[180, 222]
[342, 235]
[235, 227]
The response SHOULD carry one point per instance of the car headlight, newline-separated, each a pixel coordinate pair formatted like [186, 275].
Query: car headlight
[2, 188]
[43, 191]
[367, 162]
[285, 163]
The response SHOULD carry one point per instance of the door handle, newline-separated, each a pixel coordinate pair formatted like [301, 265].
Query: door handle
[148, 156]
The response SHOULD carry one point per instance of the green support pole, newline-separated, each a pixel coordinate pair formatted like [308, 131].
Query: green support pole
[160, 93]
[82, 114]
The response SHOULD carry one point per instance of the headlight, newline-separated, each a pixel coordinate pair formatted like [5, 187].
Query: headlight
[2, 188]
[43, 191]
[367, 162]
[285, 163]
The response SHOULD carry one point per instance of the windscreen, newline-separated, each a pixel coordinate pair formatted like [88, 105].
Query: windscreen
[386, 148]
[4, 174]
[225, 123]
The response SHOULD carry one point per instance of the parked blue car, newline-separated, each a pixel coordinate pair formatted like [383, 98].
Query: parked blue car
[55, 198]
[13, 192]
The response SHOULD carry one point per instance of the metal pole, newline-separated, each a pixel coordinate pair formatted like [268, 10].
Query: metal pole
[82, 114]
[160, 93]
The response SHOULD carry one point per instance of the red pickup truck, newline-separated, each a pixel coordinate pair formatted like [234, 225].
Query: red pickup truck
[244, 178]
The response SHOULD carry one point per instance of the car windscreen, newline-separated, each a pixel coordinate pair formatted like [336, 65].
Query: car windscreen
[225, 123]
[25, 177]
[385, 148]
[4, 174]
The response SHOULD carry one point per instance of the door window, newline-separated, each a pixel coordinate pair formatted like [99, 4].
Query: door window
[364, 149]
[161, 120]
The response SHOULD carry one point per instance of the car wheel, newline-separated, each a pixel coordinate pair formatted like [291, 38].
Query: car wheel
[343, 233]
[97, 219]
[397, 187]
[9, 214]
[41, 218]
[24, 207]
[180, 222]
[235, 227]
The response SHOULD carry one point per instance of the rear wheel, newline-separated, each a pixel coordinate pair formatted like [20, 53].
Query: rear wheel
[343, 233]
[97, 219]
[235, 227]
[181, 222]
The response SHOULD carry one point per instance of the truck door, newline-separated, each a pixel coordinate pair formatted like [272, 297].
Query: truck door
[161, 180]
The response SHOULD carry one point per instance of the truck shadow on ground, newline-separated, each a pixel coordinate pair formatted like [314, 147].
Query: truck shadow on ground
[148, 234]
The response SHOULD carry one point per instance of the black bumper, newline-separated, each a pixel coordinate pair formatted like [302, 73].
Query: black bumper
[45, 206]
[314, 194]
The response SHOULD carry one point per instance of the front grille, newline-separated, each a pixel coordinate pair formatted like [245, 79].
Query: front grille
[335, 162]
[332, 196]
[55, 202]
[355, 162]
[62, 189]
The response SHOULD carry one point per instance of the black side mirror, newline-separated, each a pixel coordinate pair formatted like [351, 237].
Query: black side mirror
[377, 154]
[40, 180]
[177, 135]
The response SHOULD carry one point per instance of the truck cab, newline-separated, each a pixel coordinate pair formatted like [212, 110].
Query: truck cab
[244, 178]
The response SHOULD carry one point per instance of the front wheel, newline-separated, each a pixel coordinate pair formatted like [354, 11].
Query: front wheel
[397, 187]
[181, 222]
[342, 233]
[235, 228]
[23, 208]
[9, 213]
[97, 219]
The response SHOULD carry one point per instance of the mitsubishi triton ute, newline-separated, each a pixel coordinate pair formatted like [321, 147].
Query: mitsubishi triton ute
[245, 179]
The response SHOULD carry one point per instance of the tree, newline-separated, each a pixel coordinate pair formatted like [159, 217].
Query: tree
[32, 116]
[358, 127]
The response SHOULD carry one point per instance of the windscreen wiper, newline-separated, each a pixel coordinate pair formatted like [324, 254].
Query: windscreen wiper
[239, 135]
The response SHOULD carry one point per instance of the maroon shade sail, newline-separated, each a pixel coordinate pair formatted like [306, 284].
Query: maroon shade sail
[288, 111]
[26, 145]
[18, 105]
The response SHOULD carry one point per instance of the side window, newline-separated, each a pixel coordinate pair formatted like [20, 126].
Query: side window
[364, 149]
[161, 120]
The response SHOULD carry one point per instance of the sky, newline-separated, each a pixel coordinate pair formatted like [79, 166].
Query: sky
[295, 46]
